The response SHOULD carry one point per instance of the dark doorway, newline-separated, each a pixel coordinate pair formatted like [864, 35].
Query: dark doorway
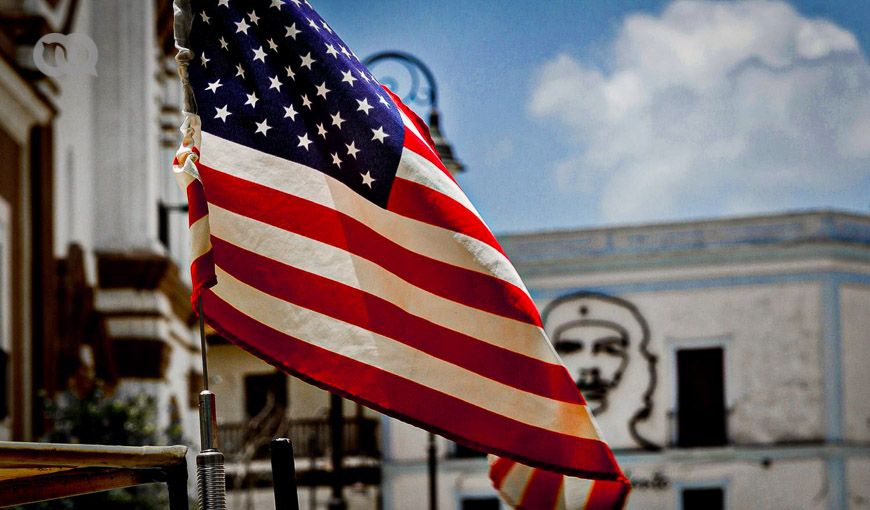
[480, 504]
[708, 498]
[701, 397]
[258, 388]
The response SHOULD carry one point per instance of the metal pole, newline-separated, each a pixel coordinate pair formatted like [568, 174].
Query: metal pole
[433, 473]
[210, 477]
[284, 475]
[336, 431]
[176, 484]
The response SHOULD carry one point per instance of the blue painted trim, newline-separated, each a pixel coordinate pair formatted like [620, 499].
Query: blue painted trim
[386, 436]
[832, 359]
[386, 487]
[837, 483]
[832, 370]
[840, 277]
[824, 227]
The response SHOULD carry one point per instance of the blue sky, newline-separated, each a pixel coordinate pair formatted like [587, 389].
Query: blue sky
[757, 107]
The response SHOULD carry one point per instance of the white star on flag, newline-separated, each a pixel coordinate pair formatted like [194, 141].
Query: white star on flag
[222, 113]
[262, 127]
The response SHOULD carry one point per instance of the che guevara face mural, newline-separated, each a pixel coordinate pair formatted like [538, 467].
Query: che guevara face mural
[600, 337]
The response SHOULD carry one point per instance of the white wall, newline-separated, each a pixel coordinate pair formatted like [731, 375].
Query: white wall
[785, 484]
[855, 321]
[858, 483]
[772, 337]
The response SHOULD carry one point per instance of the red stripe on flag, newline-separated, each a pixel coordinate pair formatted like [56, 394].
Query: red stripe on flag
[423, 203]
[202, 274]
[423, 147]
[332, 227]
[499, 470]
[413, 402]
[414, 144]
[542, 491]
[415, 119]
[196, 203]
[607, 495]
[356, 307]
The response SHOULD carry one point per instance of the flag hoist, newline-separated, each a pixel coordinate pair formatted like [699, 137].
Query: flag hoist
[210, 472]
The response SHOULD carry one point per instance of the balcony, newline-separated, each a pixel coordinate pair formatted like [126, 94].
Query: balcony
[310, 438]
[246, 446]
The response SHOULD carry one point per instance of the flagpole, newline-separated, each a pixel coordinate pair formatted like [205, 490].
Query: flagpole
[210, 475]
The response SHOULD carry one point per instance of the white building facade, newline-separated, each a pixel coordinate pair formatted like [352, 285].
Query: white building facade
[89, 283]
[727, 361]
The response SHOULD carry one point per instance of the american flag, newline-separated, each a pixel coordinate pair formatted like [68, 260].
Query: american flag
[330, 240]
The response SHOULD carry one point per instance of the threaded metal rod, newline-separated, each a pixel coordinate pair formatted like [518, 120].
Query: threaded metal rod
[211, 481]
[210, 476]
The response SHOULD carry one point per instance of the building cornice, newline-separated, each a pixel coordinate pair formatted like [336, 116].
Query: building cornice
[825, 234]
[21, 107]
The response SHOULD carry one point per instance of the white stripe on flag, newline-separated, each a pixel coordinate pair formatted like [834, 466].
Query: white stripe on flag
[286, 176]
[402, 360]
[341, 266]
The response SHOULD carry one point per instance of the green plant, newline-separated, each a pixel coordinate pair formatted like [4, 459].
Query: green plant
[95, 417]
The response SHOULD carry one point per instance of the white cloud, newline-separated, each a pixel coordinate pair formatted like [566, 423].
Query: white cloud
[714, 108]
[500, 152]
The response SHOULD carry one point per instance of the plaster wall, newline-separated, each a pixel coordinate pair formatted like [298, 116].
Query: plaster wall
[228, 367]
[858, 483]
[784, 484]
[773, 382]
[772, 337]
[855, 328]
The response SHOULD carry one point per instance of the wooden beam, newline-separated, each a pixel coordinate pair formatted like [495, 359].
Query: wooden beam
[49, 454]
[74, 482]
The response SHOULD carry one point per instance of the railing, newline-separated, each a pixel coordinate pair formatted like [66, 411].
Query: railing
[310, 438]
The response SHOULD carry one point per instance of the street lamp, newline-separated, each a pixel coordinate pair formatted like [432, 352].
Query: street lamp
[415, 94]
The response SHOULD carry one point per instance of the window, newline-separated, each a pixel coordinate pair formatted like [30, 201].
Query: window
[700, 416]
[480, 503]
[259, 388]
[464, 452]
[703, 498]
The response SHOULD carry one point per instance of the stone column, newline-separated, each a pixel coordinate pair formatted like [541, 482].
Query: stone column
[126, 144]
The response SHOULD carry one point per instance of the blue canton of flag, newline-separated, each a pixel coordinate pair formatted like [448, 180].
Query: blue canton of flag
[274, 76]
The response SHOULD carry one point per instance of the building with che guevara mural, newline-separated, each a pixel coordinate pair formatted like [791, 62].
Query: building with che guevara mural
[726, 360]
